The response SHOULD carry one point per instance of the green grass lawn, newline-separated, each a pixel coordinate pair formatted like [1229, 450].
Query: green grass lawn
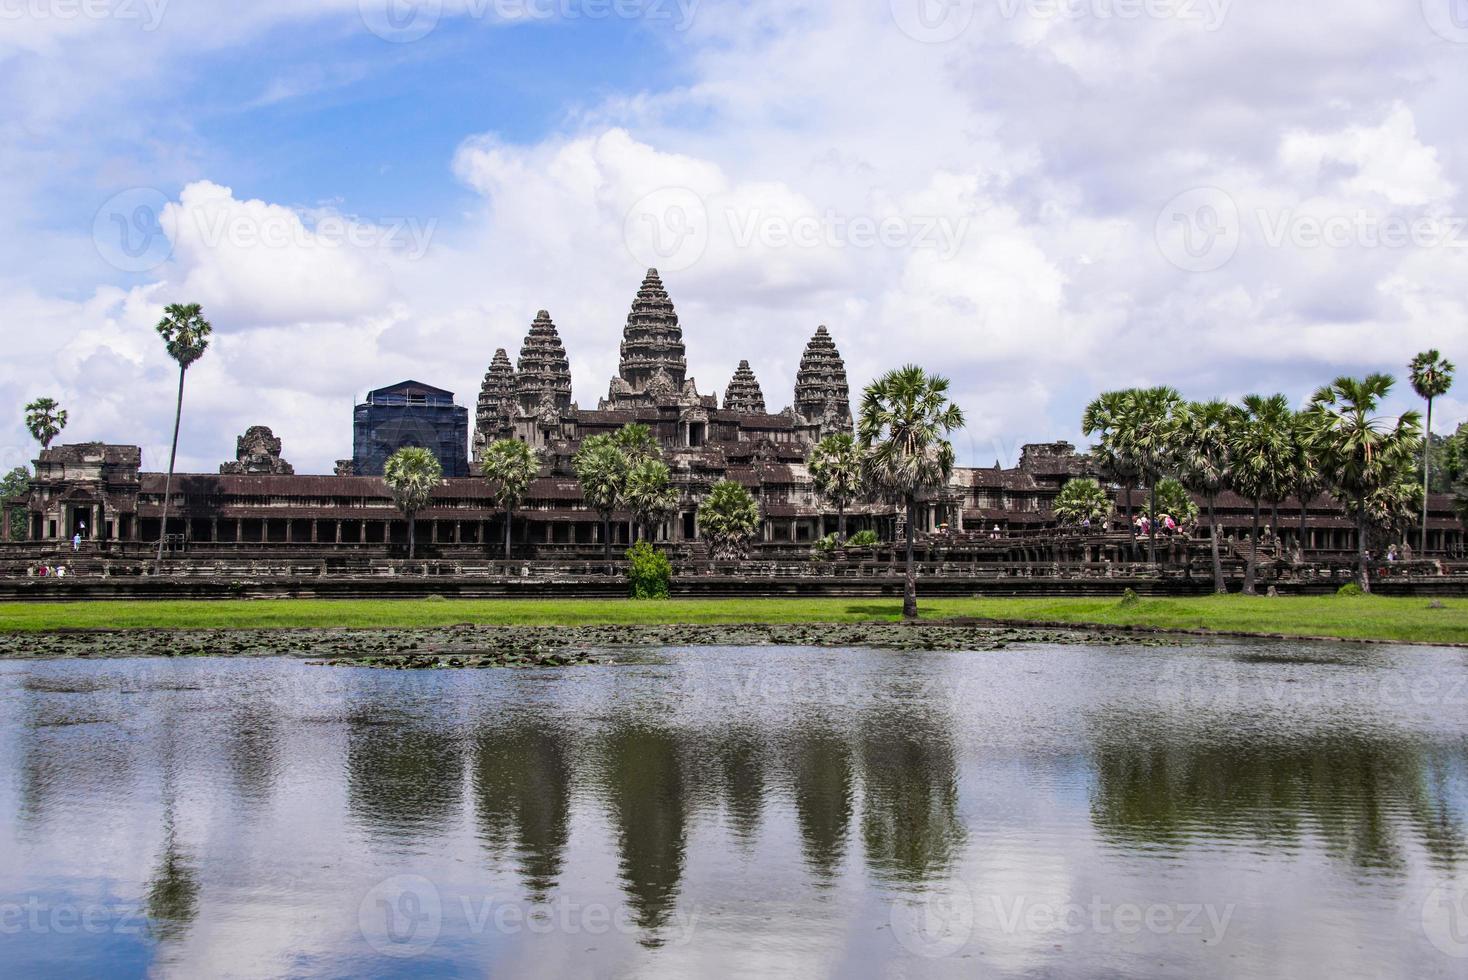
[1351, 618]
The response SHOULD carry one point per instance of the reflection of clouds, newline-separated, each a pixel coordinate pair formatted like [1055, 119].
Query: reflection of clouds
[1009, 879]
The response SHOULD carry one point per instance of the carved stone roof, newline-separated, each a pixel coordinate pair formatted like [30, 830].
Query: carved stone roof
[822, 395]
[652, 340]
[544, 375]
[257, 452]
[743, 394]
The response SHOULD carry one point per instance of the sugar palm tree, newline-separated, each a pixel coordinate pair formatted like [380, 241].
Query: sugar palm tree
[412, 474]
[1432, 377]
[1307, 481]
[650, 494]
[835, 467]
[1112, 455]
[1083, 503]
[185, 334]
[1205, 446]
[638, 443]
[905, 420]
[601, 469]
[728, 518]
[45, 419]
[1362, 452]
[1261, 461]
[1149, 424]
[510, 466]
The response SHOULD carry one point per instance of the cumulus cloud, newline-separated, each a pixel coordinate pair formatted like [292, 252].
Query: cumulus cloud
[992, 204]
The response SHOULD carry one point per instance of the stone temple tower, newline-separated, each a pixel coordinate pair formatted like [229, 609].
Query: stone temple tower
[496, 410]
[543, 381]
[822, 395]
[654, 359]
[743, 394]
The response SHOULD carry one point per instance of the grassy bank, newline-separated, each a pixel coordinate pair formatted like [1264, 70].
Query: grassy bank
[1408, 620]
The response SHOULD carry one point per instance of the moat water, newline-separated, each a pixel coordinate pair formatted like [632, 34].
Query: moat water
[1223, 809]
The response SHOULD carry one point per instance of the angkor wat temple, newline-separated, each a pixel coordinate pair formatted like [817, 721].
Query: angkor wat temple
[257, 503]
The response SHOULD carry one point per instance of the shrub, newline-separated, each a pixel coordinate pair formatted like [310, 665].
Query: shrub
[650, 572]
[1130, 598]
[824, 549]
[863, 539]
[1350, 591]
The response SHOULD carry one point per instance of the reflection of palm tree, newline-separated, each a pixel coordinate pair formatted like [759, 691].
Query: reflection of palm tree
[1352, 794]
[403, 781]
[173, 893]
[522, 789]
[910, 820]
[823, 795]
[646, 789]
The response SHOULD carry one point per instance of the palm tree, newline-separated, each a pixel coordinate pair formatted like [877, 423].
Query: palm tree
[1432, 377]
[601, 468]
[185, 334]
[1363, 452]
[412, 474]
[45, 419]
[638, 443]
[905, 417]
[1111, 454]
[1149, 423]
[1306, 479]
[510, 466]
[835, 466]
[650, 493]
[729, 518]
[1261, 461]
[1083, 503]
[1205, 444]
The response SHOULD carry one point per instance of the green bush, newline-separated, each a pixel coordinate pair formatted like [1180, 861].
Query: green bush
[863, 539]
[1350, 591]
[824, 549]
[650, 572]
[1130, 598]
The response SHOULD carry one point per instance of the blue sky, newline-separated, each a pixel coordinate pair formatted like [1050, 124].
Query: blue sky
[1042, 200]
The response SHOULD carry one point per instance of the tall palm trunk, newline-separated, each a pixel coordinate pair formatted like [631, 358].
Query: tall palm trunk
[1251, 565]
[1304, 523]
[606, 530]
[412, 536]
[1131, 524]
[1152, 521]
[509, 524]
[841, 524]
[1363, 574]
[172, 461]
[909, 588]
[1426, 474]
[1218, 584]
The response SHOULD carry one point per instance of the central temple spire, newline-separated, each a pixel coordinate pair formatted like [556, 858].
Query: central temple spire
[652, 341]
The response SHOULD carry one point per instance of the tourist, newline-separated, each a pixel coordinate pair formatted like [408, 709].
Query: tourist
[76, 541]
[61, 572]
